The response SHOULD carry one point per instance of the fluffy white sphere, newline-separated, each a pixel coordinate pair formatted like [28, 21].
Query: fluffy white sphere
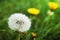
[19, 22]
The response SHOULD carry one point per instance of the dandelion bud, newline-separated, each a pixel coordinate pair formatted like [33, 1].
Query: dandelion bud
[33, 34]
[50, 12]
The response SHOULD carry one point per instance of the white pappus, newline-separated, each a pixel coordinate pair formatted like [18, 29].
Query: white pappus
[19, 22]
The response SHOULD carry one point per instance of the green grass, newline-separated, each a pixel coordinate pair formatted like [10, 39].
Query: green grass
[45, 29]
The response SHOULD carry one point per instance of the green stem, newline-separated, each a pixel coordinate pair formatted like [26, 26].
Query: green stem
[34, 38]
[36, 24]
[45, 20]
[18, 35]
[32, 17]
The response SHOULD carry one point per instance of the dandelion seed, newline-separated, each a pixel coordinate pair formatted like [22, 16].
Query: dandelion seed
[19, 22]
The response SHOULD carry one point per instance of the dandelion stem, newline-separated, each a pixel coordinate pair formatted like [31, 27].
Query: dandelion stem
[37, 21]
[18, 35]
[34, 39]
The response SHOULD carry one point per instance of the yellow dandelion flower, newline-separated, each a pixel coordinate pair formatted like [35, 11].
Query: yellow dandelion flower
[33, 34]
[33, 11]
[53, 5]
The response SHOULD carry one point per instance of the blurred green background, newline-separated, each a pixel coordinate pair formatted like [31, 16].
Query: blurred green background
[49, 30]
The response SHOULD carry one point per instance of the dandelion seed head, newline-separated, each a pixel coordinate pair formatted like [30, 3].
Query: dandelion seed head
[19, 22]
